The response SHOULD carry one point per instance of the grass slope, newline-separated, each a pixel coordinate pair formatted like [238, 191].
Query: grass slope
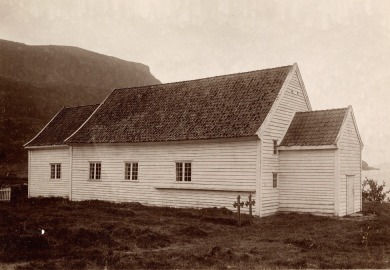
[94, 235]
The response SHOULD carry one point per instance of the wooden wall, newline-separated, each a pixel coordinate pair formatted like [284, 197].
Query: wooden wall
[229, 165]
[291, 101]
[39, 182]
[307, 181]
[350, 164]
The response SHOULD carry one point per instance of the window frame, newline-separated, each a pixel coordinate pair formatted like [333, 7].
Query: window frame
[275, 180]
[184, 171]
[275, 147]
[131, 163]
[94, 178]
[57, 170]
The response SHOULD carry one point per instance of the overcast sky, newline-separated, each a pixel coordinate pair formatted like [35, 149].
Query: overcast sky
[342, 47]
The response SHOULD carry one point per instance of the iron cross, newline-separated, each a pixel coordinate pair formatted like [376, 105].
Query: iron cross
[238, 204]
[250, 203]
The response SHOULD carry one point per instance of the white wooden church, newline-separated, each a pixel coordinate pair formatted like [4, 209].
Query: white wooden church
[200, 143]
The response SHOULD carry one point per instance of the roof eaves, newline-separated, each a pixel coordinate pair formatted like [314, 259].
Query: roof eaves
[46, 146]
[260, 130]
[51, 120]
[303, 87]
[349, 110]
[65, 141]
[304, 115]
[342, 125]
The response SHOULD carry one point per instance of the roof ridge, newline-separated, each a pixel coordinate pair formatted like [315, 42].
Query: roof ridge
[201, 79]
[223, 106]
[72, 107]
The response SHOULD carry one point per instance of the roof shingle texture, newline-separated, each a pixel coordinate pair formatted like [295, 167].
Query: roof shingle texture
[314, 128]
[219, 107]
[67, 121]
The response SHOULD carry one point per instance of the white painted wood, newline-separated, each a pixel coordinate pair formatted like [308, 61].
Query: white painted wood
[292, 98]
[28, 172]
[191, 186]
[39, 180]
[350, 114]
[305, 188]
[309, 147]
[337, 182]
[350, 163]
[350, 194]
[70, 172]
[302, 86]
[258, 179]
[215, 165]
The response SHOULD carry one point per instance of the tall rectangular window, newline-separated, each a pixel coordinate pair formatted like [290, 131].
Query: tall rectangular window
[275, 180]
[55, 171]
[187, 172]
[179, 171]
[275, 147]
[58, 171]
[95, 170]
[183, 171]
[131, 171]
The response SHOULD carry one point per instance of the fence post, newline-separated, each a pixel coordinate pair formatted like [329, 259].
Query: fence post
[5, 194]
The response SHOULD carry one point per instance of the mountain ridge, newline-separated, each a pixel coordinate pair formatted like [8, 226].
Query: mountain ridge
[36, 81]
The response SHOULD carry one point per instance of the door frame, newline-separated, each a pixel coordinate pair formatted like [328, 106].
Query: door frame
[350, 178]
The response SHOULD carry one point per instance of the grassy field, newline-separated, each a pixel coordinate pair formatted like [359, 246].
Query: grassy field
[97, 235]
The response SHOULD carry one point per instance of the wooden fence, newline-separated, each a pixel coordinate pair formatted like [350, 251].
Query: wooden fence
[5, 194]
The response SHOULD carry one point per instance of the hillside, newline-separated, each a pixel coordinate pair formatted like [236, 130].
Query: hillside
[366, 167]
[37, 81]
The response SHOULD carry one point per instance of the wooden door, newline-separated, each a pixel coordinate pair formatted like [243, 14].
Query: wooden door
[350, 194]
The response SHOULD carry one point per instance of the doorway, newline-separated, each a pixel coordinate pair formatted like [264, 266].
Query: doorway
[350, 194]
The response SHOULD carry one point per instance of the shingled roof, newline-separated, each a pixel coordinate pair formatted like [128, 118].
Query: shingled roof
[67, 121]
[314, 128]
[219, 107]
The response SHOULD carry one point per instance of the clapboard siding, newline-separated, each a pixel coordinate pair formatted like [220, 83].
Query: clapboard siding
[350, 164]
[306, 181]
[291, 101]
[224, 164]
[39, 180]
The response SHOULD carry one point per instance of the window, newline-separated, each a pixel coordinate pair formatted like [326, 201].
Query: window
[275, 180]
[55, 171]
[275, 147]
[95, 170]
[131, 171]
[183, 171]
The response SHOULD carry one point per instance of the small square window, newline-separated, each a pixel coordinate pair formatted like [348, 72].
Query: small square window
[275, 180]
[131, 171]
[95, 170]
[55, 171]
[183, 171]
[275, 147]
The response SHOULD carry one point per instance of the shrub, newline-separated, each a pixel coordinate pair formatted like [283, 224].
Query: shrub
[374, 192]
